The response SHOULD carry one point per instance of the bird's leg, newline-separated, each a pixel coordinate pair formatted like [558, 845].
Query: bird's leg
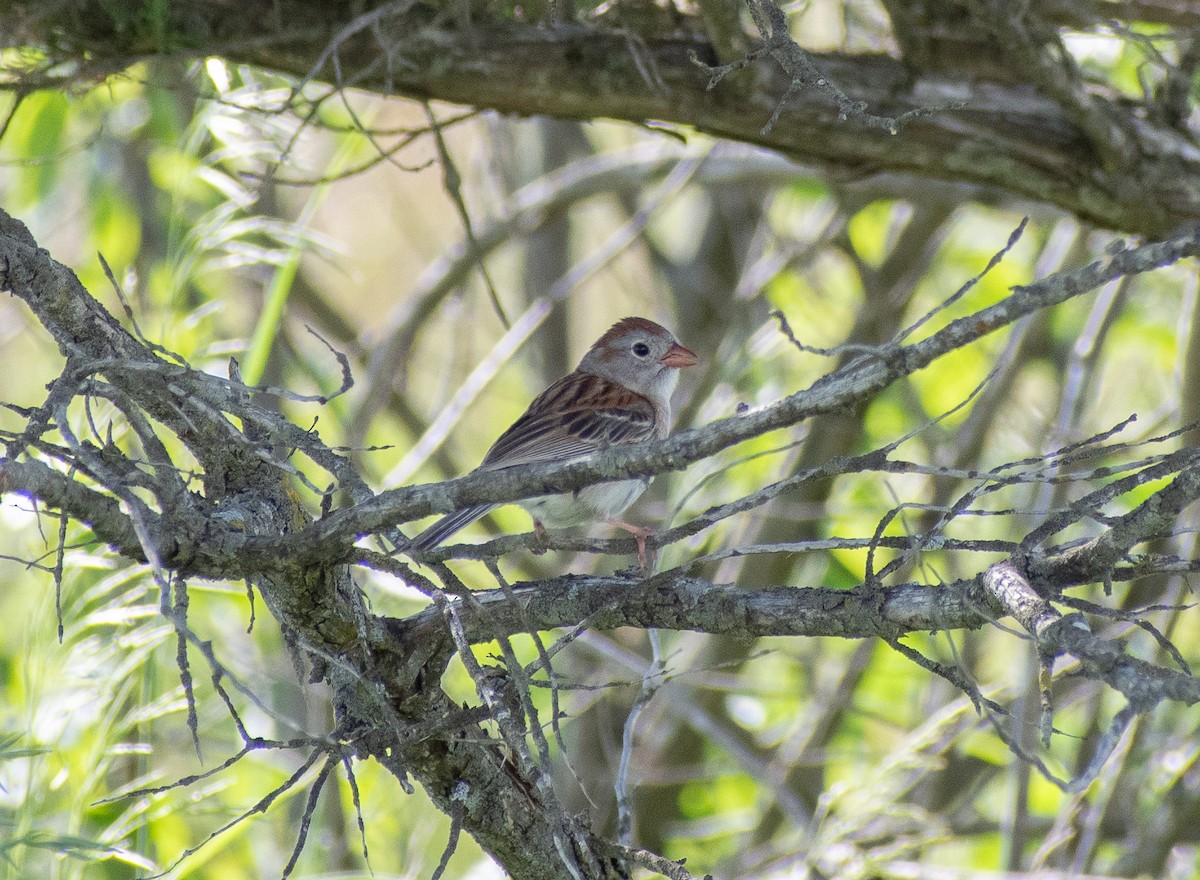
[539, 532]
[640, 534]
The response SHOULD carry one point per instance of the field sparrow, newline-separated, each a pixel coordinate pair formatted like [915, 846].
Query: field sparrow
[620, 393]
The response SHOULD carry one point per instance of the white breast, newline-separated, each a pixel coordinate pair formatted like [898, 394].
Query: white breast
[590, 504]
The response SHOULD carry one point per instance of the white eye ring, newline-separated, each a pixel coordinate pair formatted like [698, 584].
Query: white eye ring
[641, 349]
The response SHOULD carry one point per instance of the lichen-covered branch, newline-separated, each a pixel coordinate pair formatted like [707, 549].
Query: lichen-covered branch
[1029, 128]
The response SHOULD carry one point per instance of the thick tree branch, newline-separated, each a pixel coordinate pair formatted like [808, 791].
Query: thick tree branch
[61, 492]
[1007, 136]
[1004, 137]
[675, 601]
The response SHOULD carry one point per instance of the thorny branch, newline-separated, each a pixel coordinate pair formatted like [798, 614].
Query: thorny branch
[239, 518]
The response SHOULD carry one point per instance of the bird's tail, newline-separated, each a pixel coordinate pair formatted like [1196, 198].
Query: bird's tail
[447, 526]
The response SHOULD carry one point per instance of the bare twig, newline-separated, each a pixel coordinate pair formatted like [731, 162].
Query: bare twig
[779, 44]
[651, 682]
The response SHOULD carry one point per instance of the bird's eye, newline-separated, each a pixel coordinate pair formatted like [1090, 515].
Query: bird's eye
[641, 349]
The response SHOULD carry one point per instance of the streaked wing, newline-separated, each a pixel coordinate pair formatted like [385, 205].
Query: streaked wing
[447, 526]
[576, 416]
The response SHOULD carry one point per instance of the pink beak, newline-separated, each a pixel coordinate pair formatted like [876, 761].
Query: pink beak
[678, 356]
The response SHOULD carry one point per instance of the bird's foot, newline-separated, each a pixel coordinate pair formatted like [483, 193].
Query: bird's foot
[640, 534]
[539, 532]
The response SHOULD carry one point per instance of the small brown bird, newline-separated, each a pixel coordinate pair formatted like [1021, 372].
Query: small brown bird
[619, 394]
